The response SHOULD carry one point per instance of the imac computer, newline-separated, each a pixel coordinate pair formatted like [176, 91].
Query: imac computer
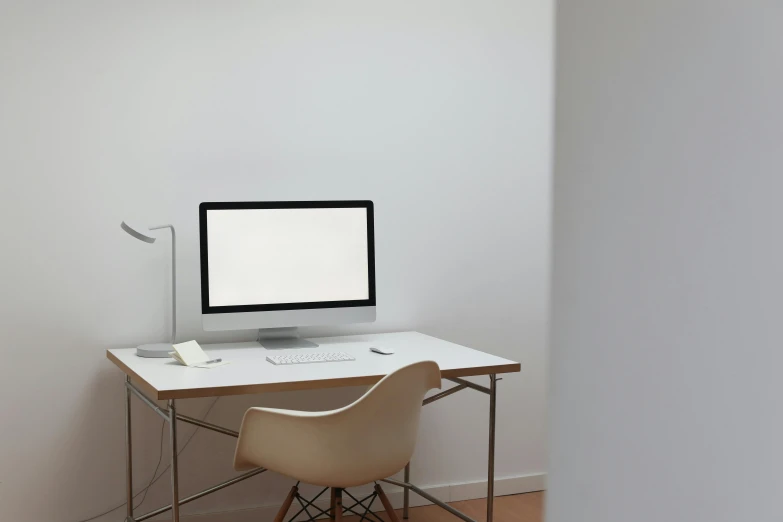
[279, 265]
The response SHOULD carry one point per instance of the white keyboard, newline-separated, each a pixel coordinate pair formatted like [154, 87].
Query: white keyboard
[313, 357]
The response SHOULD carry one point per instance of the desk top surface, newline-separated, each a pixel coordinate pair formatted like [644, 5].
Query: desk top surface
[249, 372]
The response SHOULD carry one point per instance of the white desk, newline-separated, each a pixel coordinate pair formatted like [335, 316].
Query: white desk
[250, 373]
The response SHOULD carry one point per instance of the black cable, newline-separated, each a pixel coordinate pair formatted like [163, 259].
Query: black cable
[160, 459]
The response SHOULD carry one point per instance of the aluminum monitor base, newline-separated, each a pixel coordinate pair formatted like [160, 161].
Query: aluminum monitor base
[282, 338]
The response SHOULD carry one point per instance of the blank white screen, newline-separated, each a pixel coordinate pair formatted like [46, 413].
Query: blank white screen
[267, 256]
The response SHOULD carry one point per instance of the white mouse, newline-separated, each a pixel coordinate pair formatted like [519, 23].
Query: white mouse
[382, 351]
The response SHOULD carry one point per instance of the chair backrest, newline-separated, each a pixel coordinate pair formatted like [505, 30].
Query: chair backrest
[382, 426]
[371, 439]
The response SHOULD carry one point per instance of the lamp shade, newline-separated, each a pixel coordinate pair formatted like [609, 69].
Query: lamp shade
[135, 231]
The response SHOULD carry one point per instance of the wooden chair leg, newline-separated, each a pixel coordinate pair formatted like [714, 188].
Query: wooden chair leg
[386, 504]
[331, 504]
[286, 504]
[337, 493]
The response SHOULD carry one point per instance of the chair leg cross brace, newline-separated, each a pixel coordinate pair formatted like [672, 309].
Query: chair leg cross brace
[294, 495]
[367, 508]
[336, 509]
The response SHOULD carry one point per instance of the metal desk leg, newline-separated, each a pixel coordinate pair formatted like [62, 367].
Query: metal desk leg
[174, 470]
[128, 454]
[406, 492]
[491, 463]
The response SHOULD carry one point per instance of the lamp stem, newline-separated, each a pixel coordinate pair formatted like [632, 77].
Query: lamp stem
[173, 280]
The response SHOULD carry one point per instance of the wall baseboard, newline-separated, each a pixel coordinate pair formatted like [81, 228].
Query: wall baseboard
[446, 493]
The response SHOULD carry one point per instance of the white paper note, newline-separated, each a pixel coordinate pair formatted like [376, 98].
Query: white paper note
[190, 353]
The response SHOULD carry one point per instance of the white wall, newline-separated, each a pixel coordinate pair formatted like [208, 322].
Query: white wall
[439, 111]
[668, 273]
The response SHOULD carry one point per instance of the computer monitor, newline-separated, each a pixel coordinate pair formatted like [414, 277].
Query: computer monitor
[272, 265]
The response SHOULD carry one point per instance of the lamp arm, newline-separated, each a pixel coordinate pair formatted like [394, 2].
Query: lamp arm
[173, 280]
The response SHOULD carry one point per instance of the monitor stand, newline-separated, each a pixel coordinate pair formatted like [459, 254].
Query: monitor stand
[280, 338]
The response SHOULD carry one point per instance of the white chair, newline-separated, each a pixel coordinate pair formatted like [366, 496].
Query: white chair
[369, 440]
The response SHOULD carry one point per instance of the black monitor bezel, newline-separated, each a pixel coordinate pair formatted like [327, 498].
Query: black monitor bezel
[238, 205]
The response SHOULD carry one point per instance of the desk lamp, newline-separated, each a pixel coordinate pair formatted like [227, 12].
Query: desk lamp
[159, 349]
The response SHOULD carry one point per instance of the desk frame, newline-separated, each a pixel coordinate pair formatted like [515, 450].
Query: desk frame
[171, 416]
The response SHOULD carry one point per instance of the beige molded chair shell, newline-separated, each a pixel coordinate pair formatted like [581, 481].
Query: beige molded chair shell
[369, 440]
